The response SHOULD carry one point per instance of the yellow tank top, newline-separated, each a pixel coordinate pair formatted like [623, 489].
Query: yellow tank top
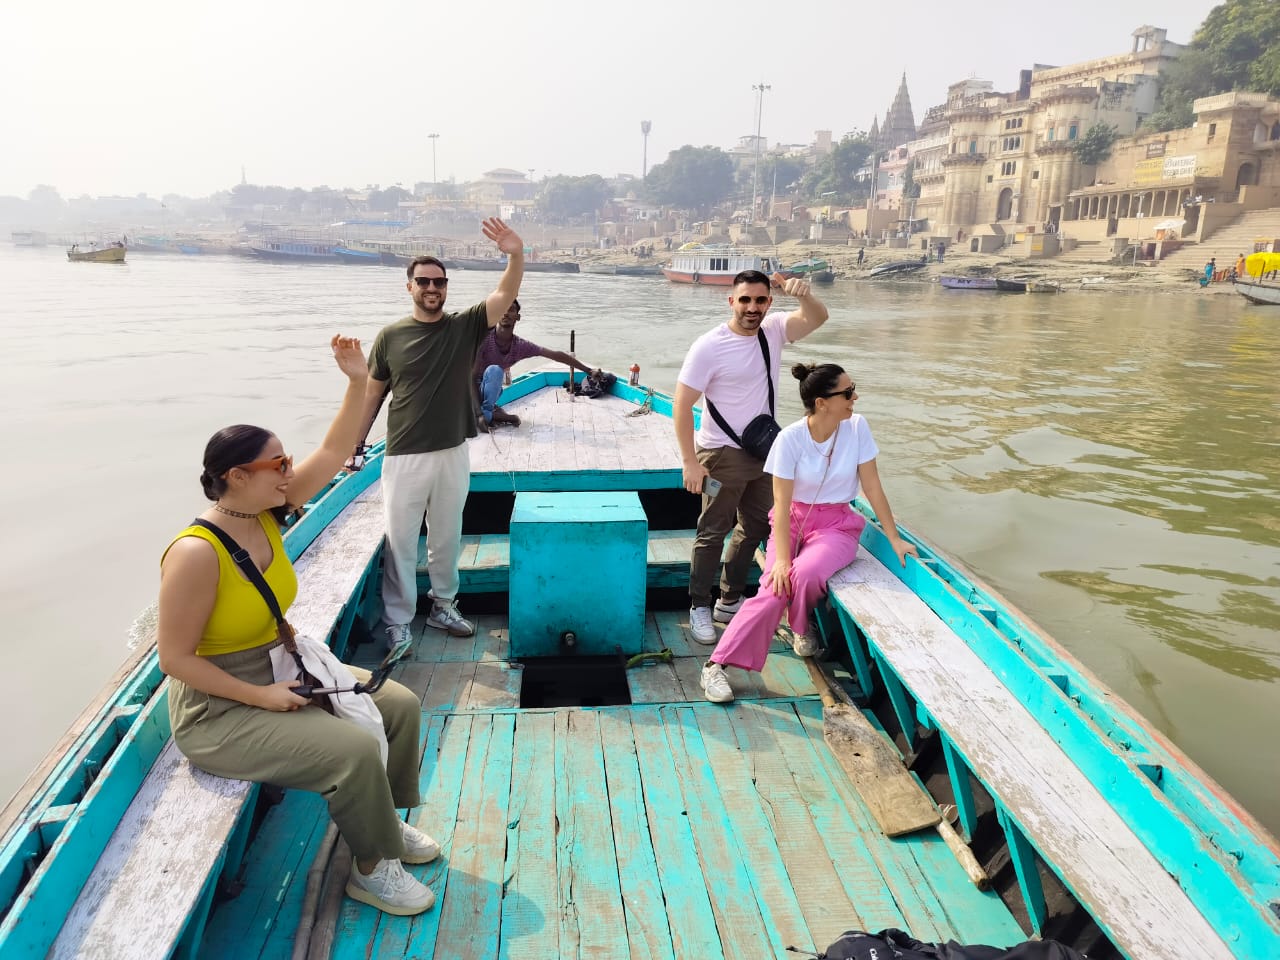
[241, 618]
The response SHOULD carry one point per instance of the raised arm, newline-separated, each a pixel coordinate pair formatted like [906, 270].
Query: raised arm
[321, 465]
[497, 303]
[695, 474]
[869, 478]
[812, 312]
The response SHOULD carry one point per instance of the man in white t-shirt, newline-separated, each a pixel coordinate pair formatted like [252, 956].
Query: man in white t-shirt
[727, 367]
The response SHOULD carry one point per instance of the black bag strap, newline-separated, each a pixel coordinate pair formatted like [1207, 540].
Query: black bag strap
[768, 379]
[240, 557]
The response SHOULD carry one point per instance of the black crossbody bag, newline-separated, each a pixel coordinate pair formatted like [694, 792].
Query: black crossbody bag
[284, 630]
[757, 439]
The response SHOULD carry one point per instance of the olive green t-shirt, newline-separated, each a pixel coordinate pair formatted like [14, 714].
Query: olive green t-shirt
[429, 368]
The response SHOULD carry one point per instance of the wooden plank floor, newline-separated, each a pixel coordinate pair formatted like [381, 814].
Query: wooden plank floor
[557, 435]
[669, 828]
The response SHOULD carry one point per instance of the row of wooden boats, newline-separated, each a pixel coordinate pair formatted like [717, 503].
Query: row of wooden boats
[590, 802]
[1002, 284]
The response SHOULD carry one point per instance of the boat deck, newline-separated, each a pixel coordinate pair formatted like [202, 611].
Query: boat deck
[670, 827]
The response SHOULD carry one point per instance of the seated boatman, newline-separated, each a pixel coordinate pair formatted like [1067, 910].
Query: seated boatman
[500, 351]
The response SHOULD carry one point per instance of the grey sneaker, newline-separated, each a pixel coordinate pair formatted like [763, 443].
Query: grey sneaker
[715, 684]
[391, 889]
[701, 625]
[724, 611]
[444, 615]
[803, 644]
[397, 633]
[418, 847]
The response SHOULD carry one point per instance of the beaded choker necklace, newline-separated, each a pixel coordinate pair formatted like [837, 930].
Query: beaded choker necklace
[234, 513]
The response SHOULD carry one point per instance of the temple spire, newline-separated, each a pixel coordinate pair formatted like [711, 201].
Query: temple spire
[899, 122]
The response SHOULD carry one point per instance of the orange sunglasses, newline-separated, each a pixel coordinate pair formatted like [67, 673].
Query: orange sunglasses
[282, 464]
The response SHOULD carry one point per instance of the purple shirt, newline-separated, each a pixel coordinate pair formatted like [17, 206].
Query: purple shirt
[490, 354]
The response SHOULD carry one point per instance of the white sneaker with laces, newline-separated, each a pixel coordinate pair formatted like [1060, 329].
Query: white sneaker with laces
[418, 847]
[724, 611]
[715, 684]
[391, 889]
[701, 625]
[397, 633]
[444, 615]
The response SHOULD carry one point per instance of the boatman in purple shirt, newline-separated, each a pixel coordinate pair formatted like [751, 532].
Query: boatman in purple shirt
[500, 351]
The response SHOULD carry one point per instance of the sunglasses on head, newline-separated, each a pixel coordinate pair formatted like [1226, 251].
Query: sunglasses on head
[438, 282]
[758, 301]
[847, 393]
[281, 464]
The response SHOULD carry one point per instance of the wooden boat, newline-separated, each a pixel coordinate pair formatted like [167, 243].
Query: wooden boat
[968, 283]
[29, 238]
[495, 264]
[621, 269]
[359, 254]
[1256, 291]
[294, 250]
[895, 267]
[1043, 286]
[816, 271]
[1011, 285]
[588, 803]
[716, 266]
[113, 253]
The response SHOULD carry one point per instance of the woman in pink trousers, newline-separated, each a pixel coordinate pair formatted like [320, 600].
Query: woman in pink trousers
[818, 465]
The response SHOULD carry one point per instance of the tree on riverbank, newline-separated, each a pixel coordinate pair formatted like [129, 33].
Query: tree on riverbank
[837, 173]
[565, 197]
[692, 178]
[1236, 48]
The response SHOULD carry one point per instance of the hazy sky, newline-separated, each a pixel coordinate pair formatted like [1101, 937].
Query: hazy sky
[142, 96]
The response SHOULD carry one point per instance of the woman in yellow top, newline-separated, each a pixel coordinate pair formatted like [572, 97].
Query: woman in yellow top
[229, 714]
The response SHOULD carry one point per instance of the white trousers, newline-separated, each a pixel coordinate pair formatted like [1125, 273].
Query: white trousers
[417, 485]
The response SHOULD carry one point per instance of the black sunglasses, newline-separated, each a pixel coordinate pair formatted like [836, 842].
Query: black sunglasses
[847, 393]
[758, 301]
[438, 282]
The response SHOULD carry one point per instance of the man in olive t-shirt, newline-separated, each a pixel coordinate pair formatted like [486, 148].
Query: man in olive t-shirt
[425, 362]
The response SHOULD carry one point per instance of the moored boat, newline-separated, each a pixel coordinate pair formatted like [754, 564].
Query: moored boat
[112, 253]
[294, 250]
[1043, 286]
[359, 254]
[716, 266]
[1011, 285]
[29, 238]
[1256, 291]
[590, 805]
[967, 283]
[816, 271]
[895, 267]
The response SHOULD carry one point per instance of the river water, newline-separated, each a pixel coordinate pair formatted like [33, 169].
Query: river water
[1108, 460]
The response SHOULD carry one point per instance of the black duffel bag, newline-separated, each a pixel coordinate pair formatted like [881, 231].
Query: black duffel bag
[896, 945]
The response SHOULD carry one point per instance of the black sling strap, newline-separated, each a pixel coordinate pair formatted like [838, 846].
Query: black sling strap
[768, 377]
[240, 557]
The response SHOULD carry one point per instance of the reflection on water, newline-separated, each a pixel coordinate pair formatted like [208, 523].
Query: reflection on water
[1108, 460]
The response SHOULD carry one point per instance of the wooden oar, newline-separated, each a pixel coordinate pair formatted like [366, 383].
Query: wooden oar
[894, 796]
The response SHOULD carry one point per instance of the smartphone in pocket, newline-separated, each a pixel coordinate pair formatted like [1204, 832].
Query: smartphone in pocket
[711, 486]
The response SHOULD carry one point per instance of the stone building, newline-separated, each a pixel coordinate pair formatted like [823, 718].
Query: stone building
[1010, 165]
[1205, 175]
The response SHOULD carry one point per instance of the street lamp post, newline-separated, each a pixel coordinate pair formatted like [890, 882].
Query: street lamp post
[433, 137]
[760, 89]
[645, 127]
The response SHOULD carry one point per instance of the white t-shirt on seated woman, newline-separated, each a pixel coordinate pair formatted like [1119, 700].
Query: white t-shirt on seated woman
[797, 456]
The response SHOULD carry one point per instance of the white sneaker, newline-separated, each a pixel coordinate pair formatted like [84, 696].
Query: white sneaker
[701, 625]
[444, 615]
[397, 633]
[390, 888]
[418, 847]
[715, 684]
[724, 611]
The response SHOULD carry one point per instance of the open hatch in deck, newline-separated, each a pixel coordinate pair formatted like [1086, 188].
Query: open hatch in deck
[676, 829]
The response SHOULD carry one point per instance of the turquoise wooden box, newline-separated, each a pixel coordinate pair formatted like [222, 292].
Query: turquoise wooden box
[577, 567]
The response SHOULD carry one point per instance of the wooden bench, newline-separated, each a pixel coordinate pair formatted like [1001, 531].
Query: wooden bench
[1043, 799]
[484, 566]
[152, 887]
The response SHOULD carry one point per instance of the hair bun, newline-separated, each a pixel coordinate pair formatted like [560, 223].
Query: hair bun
[802, 370]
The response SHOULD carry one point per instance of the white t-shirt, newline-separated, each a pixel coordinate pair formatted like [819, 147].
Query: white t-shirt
[797, 456]
[728, 369]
